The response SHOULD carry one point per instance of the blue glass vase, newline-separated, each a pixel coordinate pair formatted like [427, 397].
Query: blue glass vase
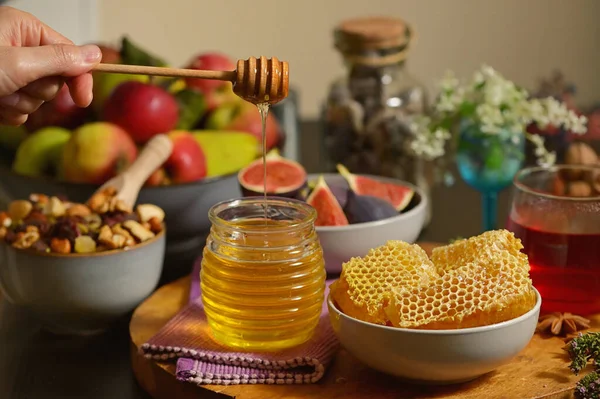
[488, 163]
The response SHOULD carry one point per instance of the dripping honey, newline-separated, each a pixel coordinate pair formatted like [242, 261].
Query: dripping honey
[263, 280]
[263, 109]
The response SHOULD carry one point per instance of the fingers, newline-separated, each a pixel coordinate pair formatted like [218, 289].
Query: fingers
[44, 89]
[28, 64]
[80, 88]
[21, 103]
[24, 29]
[11, 117]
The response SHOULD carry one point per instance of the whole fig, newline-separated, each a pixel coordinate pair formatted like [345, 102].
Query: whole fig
[366, 208]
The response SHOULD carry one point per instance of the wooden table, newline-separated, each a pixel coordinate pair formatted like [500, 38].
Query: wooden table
[34, 365]
[538, 372]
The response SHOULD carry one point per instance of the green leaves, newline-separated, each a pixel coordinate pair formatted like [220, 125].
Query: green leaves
[581, 350]
[192, 106]
[132, 54]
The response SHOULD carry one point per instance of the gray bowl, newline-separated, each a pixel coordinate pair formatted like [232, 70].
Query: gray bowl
[81, 294]
[186, 205]
[340, 243]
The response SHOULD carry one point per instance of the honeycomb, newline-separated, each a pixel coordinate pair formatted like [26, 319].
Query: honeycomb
[473, 282]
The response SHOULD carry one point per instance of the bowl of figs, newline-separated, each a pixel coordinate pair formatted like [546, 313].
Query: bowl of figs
[355, 212]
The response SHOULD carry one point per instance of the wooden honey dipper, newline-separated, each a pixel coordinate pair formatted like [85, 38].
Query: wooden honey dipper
[257, 80]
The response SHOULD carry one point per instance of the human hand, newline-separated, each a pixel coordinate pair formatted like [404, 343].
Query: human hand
[35, 62]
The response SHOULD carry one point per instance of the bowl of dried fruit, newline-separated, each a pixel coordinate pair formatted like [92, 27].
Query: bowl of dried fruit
[452, 317]
[79, 267]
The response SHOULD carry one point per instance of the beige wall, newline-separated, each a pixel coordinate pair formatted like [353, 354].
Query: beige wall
[524, 39]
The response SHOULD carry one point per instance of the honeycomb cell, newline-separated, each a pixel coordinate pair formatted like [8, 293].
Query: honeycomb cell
[467, 283]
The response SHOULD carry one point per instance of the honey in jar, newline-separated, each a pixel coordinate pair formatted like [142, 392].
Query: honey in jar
[262, 279]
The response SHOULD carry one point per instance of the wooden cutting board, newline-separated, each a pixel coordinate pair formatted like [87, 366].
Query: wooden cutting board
[539, 372]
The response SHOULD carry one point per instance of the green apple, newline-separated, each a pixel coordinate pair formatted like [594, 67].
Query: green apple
[41, 152]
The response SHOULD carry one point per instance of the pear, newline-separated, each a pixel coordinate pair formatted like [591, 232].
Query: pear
[227, 151]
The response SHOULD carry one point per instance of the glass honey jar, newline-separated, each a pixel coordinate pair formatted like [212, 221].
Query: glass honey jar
[262, 279]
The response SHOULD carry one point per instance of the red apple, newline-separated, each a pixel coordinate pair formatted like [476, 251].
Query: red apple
[142, 109]
[220, 96]
[211, 61]
[242, 116]
[110, 55]
[61, 111]
[187, 162]
[96, 152]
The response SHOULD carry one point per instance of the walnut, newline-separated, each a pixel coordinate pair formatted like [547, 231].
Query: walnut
[99, 203]
[60, 245]
[25, 240]
[19, 209]
[105, 235]
[579, 154]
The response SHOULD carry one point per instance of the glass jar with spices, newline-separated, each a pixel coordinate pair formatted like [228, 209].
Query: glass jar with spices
[262, 279]
[367, 115]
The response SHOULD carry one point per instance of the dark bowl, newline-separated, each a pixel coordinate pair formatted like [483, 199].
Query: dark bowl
[186, 207]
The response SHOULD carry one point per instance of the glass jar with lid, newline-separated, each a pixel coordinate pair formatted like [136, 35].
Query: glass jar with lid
[366, 117]
[262, 279]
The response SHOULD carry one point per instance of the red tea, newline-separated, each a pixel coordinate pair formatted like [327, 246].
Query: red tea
[565, 268]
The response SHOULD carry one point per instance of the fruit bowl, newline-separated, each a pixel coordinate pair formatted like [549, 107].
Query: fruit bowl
[340, 243]
[81, 294]
[434, 356]
[186, 205]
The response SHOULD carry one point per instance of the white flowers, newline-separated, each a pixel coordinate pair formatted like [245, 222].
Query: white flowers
[496, 105]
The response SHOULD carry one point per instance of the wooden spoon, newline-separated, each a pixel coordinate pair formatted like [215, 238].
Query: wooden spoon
[129, 183]
[257, 80]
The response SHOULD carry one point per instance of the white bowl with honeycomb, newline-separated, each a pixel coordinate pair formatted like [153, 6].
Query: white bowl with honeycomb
[448, 318]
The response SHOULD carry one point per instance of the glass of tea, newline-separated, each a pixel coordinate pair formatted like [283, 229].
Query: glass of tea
[556, 213]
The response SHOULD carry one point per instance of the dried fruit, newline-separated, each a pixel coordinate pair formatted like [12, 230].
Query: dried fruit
[79, 210]
[148, 211]
[5, 220]
[85, 244]
[40, 246]
[19, 209]
[60, 245]
[558, 186]
[54, 207]
[3, 231]
[40, 199]
[138, 231]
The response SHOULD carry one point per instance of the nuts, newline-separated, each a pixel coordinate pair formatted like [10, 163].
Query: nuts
[60, 245]
[54, 207]
[85, 245]
[149, 211]
[155, 225]
[53, 224]
[78, 210]
[25, 239]
[19, 209]
[138, 231]
[579, 189]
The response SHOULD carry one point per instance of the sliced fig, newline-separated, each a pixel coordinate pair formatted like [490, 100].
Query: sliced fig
[329, 211]
[366, 208]
[338, 188]
[396, 194]
[285, 178]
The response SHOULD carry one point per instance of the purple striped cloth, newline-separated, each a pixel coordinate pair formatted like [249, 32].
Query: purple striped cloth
[200, 360]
